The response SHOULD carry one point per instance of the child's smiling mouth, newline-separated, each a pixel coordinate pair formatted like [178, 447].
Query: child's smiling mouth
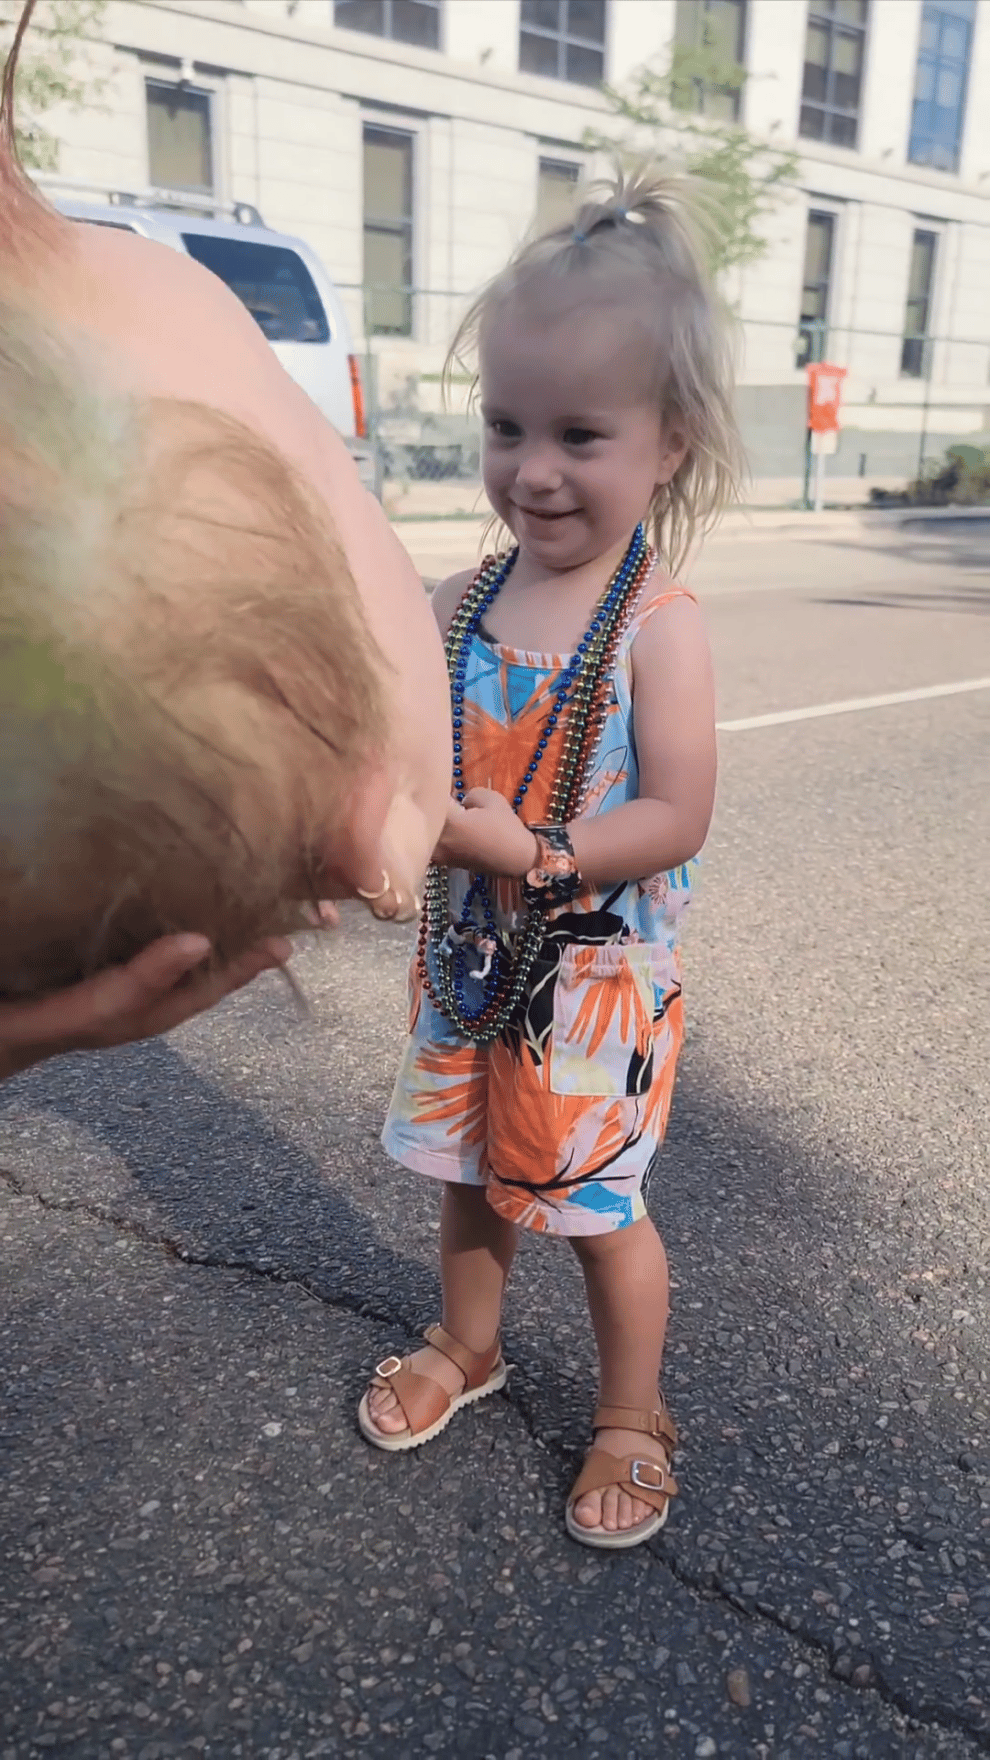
[545, 513]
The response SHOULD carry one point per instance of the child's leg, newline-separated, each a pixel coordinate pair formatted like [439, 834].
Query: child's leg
[477, 1248]
[625, 1275]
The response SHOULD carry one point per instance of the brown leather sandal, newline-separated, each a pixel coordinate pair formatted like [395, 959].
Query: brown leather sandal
[648, 1480]
[426, 1406]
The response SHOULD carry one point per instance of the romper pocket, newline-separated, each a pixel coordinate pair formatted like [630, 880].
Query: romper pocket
[605, 1000]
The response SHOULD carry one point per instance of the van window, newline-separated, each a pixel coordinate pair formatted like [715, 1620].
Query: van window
[274, 284]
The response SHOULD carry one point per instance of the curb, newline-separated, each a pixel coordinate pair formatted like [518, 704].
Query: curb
[764, 515]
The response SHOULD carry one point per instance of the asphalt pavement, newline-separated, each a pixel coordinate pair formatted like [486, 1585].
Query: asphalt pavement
[204, 1251]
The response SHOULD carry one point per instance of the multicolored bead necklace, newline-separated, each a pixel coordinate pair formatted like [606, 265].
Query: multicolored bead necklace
[583, 691]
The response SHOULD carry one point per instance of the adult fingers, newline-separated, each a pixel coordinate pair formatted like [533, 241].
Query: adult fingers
[181, 1004]
[85, 1011]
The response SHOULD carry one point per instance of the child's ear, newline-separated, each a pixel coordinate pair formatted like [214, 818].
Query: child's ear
[673, 451]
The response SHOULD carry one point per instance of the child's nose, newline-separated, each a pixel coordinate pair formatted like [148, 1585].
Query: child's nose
[538, 468]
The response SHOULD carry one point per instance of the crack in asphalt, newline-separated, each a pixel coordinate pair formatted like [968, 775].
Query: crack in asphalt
[174, 1249]
[841, 1661]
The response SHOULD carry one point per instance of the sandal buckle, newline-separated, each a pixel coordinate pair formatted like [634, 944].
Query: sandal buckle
[388, 1367]
[639, 1474]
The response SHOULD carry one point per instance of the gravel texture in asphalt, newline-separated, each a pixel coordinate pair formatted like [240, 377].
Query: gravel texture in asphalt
[205, 1250]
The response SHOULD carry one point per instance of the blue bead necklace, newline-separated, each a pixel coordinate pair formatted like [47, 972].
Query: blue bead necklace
[579, 692]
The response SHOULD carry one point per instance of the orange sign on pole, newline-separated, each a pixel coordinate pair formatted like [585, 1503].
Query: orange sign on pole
[824, 396]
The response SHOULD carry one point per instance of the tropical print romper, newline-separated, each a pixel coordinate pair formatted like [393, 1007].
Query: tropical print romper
[561, 1118]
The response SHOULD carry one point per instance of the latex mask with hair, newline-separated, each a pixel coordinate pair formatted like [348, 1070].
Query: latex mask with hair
[222, 693]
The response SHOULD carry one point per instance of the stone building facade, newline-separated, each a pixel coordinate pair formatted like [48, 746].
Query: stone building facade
[410, 142]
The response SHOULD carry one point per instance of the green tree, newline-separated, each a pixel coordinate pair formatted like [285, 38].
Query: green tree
[54, 69]
[742, 174]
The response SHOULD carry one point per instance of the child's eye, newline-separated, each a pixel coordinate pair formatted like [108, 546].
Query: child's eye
[504, 429]
[579, 436]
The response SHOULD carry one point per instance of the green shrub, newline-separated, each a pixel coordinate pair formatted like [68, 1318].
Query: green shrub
[960, 479]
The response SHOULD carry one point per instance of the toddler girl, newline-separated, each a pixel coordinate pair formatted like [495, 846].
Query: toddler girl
[546, 997]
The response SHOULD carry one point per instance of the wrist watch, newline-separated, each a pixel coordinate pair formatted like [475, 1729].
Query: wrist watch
[554, 878]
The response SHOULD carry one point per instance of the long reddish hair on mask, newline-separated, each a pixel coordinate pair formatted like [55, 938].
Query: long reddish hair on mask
[27, 224]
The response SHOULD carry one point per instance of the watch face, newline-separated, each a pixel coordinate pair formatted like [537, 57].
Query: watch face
[557, 861]
[554, 878]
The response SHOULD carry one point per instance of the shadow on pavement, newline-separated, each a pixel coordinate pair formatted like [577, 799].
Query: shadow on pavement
[220, 1184]
[963, 551]
[971, 600]
[825, 1366]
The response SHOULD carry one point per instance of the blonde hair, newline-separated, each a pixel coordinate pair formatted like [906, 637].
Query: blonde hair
[188, 692]
[642, 236]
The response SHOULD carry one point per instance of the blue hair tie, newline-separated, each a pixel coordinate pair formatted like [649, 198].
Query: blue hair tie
[579, 237]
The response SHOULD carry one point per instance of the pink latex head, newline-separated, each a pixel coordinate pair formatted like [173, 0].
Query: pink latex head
[221, 692]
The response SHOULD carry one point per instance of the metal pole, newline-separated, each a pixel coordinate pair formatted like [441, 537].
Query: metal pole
[819, 480]
[926, 362]
[807, 469]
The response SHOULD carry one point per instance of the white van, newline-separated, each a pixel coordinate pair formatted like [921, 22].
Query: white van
[281, 282]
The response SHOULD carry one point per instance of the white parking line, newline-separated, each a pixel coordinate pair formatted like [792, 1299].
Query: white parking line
[852, 705]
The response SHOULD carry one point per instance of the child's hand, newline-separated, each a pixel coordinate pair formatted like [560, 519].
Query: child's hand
[485, 836]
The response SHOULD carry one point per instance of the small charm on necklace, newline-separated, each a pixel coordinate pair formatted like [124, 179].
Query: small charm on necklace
[487, 946]
[452, 941]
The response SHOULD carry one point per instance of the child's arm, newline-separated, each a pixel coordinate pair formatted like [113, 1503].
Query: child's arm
[674, 723]
[448, 595]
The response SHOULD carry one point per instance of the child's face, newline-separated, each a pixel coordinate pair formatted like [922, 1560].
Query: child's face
[573, 443]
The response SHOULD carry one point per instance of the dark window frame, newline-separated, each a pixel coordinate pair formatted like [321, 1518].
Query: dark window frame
[398, 226]
[388, 33]
[925, 147]
[114, 225]
[175, 88]
[698, 97]
[813, 328]
[565, 38]
[916, 347]
[563, 171]
[839, 123]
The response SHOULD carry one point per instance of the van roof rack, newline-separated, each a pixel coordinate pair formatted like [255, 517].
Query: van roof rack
[245, 213]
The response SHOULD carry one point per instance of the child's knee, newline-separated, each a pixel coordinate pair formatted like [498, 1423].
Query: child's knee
[599, 1249]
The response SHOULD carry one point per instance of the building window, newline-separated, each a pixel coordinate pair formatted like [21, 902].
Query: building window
[712, 31]
[940, 83]
[813, 326]
[563, 39]
[180, 138]
[388, 231]
[833, 70]
[405, 21]
[556, 188]
[915, 352]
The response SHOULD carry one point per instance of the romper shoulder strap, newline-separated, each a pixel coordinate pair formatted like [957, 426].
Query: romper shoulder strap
[657, 593]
